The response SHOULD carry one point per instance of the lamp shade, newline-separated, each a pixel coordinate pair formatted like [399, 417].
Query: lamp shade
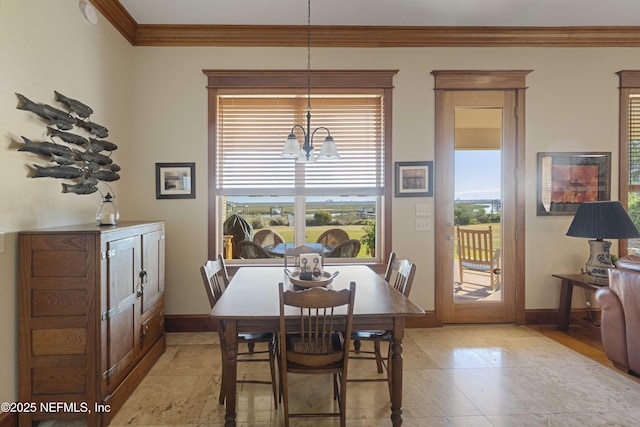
[291, 147]
[329, 149]
[602, 220]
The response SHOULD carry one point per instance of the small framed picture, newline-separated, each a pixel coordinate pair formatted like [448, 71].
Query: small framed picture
[175, 180]
[414, 179]
[565, 180]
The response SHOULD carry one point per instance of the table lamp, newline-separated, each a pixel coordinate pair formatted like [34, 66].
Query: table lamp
[599, 221]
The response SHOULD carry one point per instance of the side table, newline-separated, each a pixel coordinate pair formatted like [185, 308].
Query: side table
[566, 292]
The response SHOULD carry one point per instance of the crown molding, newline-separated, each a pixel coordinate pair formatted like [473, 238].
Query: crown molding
[362, 36]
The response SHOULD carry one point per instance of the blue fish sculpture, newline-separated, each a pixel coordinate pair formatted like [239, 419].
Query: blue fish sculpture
[46, 148]
[69, 137]
[62, 160]
[88, 156]
[105, 145]
[79, 188]
[104, 175]
[74, 105]
[93, 128]
[67, 172]
[55, 117]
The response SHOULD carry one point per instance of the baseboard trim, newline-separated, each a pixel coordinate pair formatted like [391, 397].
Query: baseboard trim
[188, 323]
[8, 419]
[203, 323]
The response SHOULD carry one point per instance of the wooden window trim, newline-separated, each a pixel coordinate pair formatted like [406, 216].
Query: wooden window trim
[295, 79]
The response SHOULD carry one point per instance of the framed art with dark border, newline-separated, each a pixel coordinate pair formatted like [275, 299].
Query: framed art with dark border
[567, 179]
[175, 180]
[414, 179]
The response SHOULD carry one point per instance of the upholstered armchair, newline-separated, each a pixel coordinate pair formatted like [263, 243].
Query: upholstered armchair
[620, 309]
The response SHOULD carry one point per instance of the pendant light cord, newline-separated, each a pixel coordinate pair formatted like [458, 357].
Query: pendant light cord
[308, 55]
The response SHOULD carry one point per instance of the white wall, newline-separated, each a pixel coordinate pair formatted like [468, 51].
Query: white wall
[154, 101]
[572, 105]
[47, 46]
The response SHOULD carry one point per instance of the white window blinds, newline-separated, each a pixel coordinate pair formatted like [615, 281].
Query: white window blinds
[634, 139]
[251, 134]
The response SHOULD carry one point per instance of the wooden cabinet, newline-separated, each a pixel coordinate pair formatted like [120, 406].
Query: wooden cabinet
[91, 317]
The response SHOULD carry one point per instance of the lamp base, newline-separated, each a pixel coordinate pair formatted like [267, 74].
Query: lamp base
[599, 262]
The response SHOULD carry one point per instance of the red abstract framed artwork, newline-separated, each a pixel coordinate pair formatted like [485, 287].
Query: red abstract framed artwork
[567, 179]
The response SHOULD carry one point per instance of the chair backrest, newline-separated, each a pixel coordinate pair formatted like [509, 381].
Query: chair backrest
[475, 246]
[251, 250]
[317, 339]
[347, 249]
[292, 255]
[267, 237]
[400, 274]
[215, 278]
[333, 237]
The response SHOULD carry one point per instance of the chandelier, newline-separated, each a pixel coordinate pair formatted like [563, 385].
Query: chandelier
[292, 148]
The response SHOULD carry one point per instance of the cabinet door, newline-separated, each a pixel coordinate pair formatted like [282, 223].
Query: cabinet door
[152, 274]
[123, 302]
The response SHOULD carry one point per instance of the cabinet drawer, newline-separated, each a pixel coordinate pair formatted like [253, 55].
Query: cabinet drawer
[152, 329]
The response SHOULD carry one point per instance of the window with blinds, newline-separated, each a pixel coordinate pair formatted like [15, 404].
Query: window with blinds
[629, 154]
[634, 140]
[251, 134]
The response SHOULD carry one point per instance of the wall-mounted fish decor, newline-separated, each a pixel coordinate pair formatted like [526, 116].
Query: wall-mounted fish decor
[82, 110]
[83, 165]
[56, 117]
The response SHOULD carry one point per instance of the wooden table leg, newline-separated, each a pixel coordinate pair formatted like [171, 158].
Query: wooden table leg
[396, 371]
[231, 340]
[564, 310]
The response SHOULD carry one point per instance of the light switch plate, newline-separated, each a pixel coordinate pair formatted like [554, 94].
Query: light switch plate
[423, 209]
[423, 224]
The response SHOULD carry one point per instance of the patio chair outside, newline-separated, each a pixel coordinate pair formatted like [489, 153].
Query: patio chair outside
[476, 255]
[347, 249]
[333, 237]
[267, 237]
[251, 250]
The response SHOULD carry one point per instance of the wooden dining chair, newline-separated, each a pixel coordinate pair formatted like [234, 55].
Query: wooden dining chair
[399, 275]
[267, 237]
[333, 237]
[251, 250]
[347, 249]
[216, 280]
[315, 342]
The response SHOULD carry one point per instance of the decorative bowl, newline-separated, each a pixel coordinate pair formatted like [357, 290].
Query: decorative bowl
[323, 280]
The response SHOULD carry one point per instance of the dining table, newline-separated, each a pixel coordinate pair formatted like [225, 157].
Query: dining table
[250, 303]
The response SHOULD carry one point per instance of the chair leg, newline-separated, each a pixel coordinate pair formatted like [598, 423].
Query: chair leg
[376, 349]
[284, 393]
[252, 346]
[356, 345]
[272, 365]
[342, 403]
[389, 365]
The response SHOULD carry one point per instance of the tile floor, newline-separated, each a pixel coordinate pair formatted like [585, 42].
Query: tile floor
[453, 376]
